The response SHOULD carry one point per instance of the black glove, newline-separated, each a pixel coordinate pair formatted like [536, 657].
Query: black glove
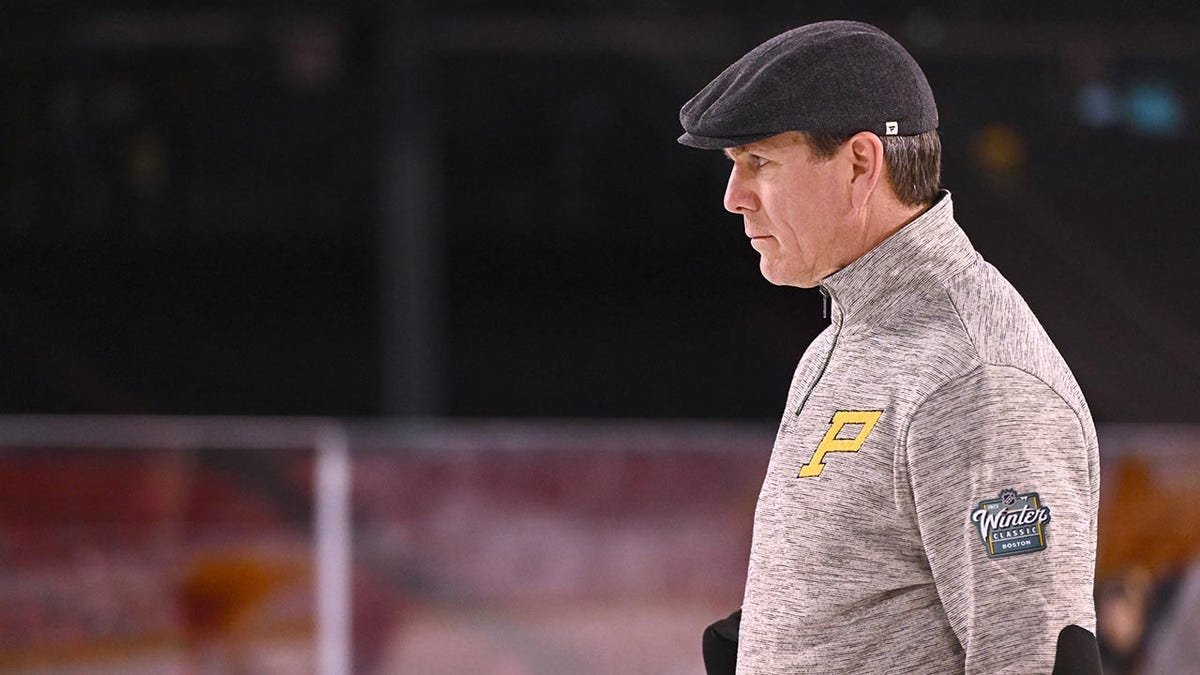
[1078, 653]
[720, 645]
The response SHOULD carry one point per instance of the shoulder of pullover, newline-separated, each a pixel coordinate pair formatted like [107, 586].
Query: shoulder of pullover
[1005, 332]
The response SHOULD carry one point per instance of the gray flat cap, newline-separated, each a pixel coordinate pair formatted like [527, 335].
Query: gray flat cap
[832, 76]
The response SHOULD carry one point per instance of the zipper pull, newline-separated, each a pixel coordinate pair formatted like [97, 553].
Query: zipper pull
[824, 302]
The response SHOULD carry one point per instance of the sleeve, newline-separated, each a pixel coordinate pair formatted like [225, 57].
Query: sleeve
[998, 464]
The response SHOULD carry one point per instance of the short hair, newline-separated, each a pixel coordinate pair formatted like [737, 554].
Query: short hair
[914, 162]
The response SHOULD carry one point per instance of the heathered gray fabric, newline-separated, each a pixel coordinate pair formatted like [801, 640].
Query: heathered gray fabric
[874, 566]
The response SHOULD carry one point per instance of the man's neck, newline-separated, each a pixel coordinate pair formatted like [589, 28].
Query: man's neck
[882, 221]
[894, 217]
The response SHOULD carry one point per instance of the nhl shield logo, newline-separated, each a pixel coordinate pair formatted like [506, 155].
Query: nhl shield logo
[1012, 524]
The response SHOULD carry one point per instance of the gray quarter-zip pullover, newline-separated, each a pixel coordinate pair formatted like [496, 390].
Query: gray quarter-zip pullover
[930, 503]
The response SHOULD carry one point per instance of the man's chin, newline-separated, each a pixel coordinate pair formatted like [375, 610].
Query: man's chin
[778, 278]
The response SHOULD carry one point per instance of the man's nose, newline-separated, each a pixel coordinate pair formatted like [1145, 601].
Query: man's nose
[739, 198]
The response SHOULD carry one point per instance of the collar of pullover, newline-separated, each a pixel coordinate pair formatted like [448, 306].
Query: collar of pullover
[929, 250]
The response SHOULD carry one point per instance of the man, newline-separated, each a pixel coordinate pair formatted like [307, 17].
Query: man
[930, 502]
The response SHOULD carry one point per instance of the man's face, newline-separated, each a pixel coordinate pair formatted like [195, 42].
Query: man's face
[794, 208]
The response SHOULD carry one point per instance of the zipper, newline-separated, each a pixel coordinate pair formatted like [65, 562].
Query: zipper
[828, 356]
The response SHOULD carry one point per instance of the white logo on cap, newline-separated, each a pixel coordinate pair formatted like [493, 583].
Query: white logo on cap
[891, 128]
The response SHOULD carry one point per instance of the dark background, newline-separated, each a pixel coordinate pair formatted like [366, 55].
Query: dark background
[479, 209]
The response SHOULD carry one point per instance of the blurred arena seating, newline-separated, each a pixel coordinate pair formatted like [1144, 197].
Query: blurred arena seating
[486, 547]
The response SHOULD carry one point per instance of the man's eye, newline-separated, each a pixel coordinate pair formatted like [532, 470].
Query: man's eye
[757, 161]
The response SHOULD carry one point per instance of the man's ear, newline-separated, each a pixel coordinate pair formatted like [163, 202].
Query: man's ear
[865, 152]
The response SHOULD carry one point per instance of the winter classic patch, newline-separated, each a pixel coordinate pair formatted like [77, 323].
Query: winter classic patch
[1012, 524]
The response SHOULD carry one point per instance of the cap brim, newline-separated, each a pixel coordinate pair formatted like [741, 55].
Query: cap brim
[718, 143]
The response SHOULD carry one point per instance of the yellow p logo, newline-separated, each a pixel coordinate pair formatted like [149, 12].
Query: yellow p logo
[831, 443]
